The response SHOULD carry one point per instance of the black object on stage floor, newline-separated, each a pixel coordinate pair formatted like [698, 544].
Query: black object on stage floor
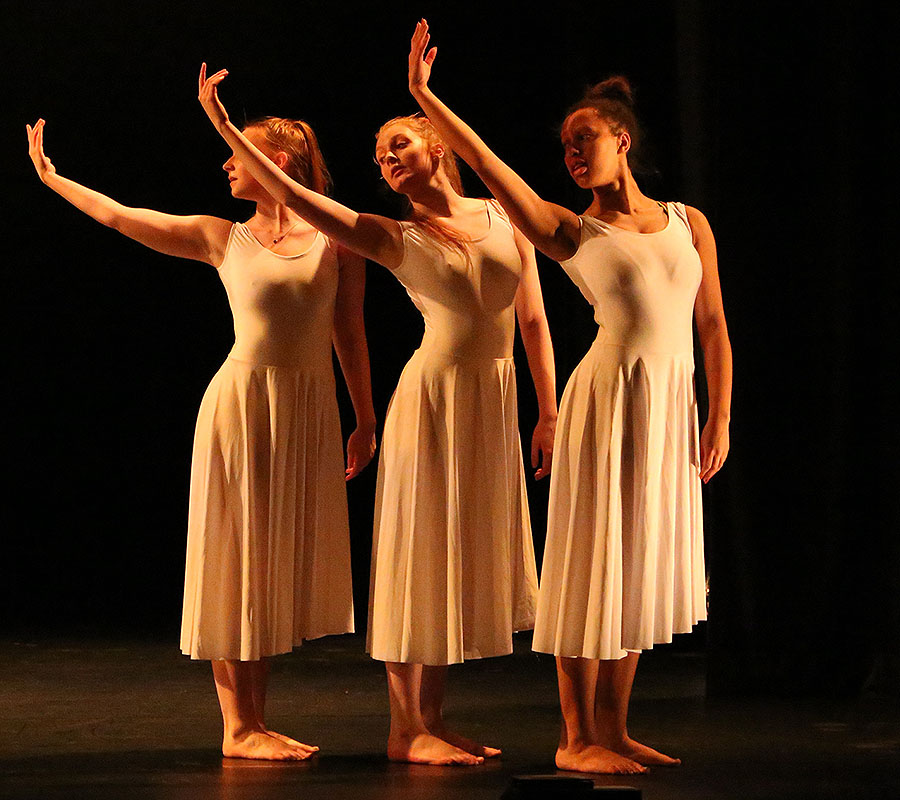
[564, 787]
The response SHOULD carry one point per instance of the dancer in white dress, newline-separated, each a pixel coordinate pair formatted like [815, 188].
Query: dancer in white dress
[268, 556]
[453, 566]
[623, 563]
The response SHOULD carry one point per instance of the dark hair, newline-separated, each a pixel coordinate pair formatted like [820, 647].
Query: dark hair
[613, 101]
[296, 138]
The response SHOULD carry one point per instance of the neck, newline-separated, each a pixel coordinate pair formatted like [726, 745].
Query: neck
[622, 196]
[437, 199]
[275, 216]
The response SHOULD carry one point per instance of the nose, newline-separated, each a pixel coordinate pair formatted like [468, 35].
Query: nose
[228, 165]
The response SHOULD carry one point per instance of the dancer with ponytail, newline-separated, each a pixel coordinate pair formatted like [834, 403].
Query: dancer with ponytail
[453, 571]
[623, 564]
[268, 553]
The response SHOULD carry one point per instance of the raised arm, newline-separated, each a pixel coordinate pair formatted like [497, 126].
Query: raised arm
[539, 349]
[553, 230]
[709, 316]
[201, 238]
[374, 237]
[353, 353]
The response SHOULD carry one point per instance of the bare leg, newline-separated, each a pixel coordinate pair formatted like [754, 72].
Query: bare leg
[580, 748]
[409, 738]
[259, 675]
[614, 682]
[243, 737]
[431, 694]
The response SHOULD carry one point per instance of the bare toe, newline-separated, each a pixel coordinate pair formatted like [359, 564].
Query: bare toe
[260, 745]
[424, 748]
[596, 760]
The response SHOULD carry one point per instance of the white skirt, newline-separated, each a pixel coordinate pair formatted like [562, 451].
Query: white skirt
[268, 553]
[453, 572]
[623, 563]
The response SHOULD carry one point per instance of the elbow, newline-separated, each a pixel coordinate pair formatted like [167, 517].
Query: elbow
[534, 329]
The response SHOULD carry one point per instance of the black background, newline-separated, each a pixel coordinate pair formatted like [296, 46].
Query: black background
[769, 120]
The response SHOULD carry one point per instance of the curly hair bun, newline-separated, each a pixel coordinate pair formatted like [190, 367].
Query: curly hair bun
[615, 88]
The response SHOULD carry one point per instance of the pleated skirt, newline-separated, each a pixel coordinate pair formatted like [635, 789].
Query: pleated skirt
[623, 563]
[453, 571]
[268, 551]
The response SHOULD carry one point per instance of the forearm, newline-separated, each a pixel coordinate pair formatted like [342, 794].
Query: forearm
[717, 363]
[353, 356]
[539, 350]
[533, 216]
[467, 144]
[321, 212]
[98, 206]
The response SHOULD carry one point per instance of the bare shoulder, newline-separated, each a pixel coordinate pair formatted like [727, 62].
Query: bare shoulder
[699, 224]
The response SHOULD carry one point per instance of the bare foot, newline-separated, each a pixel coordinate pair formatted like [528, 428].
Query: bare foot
[645, 755]
[257, 744]
[597, 759]
[309, 748]
[423, 748]
[465, 744]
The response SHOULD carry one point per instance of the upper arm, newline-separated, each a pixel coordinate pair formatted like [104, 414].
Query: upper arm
[709, 312]
[551, 228]
[348, 305]
[529, 298]
[198, 237]
[377, 238]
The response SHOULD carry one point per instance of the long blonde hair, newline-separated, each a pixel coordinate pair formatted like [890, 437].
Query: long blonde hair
[296, 138]
[452, 239]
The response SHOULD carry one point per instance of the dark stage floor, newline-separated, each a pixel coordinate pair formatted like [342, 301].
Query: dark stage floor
[92, 719]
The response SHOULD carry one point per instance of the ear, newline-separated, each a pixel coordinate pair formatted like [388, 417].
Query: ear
[281, 159]
[624, 142]
[438, 150]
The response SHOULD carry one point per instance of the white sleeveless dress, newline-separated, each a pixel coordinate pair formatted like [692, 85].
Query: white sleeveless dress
[268, 552]
[623, 565]
[453, 572]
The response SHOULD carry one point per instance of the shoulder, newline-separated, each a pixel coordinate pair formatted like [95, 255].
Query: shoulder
[223, 236]
[696, 221]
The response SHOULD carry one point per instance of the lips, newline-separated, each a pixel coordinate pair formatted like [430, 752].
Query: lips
[396, 171]
[578, 169]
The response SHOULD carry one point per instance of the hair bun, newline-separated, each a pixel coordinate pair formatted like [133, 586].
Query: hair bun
[615, 88]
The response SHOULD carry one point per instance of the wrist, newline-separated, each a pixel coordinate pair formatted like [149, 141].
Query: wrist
[365, 424]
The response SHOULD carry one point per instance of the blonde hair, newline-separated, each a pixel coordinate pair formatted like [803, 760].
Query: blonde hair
[296, 138]
[452, 239]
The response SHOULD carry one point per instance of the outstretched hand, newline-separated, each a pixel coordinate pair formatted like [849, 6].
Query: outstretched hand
[419, 61]
[208, 95]
[42, 164]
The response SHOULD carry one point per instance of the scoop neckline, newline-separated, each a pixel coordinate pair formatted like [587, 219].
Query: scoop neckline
[490, 219]
[636, 233]
[283, 255]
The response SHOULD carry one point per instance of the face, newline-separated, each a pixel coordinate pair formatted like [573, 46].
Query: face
[243, 185]
[405, 158]
[594, 155]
